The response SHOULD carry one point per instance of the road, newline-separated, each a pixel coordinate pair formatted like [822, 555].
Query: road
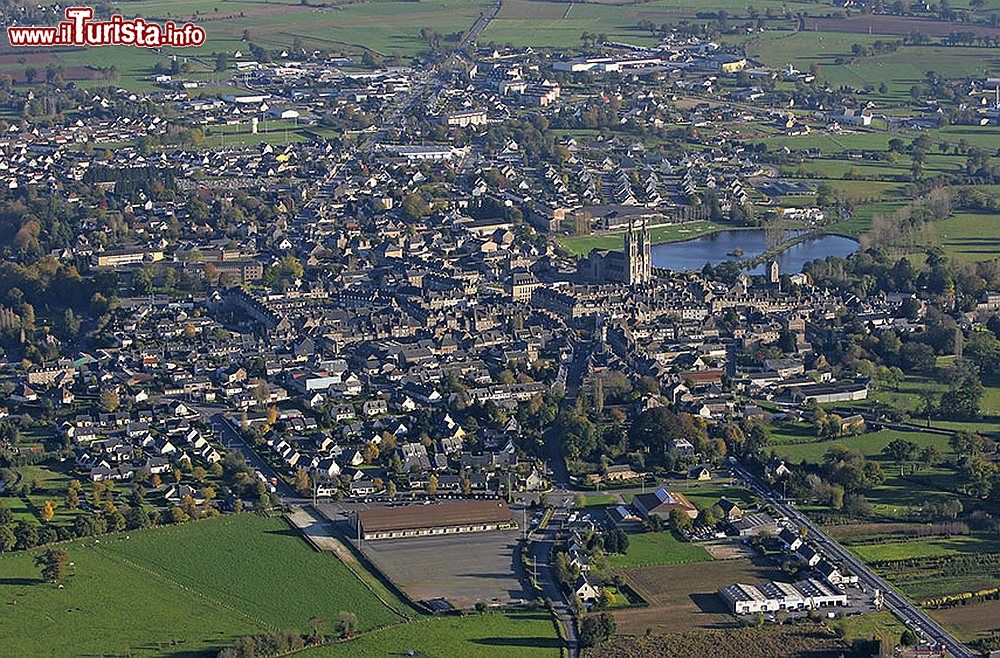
[542, 546]
[479, 26]
[912, 616]
[561, 499]
[231, 437]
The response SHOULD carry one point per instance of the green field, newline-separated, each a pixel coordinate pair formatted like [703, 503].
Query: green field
[653, 548]
[898, 70]
[501, 635]
[704, 497]
[908, 398]
[581, 245]
[970, 236]
[898, 496]
[861, 221]
[926, 567]
[51, 478]
[181, 590]
[987, 137]
[870, 445]
[928, 547]
[874, 624]
[600, 500]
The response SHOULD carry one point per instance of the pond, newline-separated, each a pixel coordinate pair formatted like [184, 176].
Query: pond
[720, 247]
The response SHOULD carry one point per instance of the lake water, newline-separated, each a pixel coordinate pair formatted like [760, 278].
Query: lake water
[716, 248]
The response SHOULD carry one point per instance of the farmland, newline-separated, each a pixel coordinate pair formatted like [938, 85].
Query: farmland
[383, 27]
[970, 236]
[768, 642]
[908, 397]
[501, 635]
[191, 588]
[928, 548]
[898, 70]
[972, 621]
[927, 561]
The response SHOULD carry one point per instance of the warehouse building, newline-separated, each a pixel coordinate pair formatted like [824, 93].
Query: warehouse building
[446, 518]
[773, 596]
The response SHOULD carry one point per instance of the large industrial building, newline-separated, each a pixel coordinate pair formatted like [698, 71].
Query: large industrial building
[773, 596]
[444, 518]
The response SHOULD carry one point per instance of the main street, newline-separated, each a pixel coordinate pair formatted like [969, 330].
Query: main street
[911, 615]
[560, 498]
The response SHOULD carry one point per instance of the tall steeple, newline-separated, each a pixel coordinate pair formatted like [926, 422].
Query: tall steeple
[638, 268]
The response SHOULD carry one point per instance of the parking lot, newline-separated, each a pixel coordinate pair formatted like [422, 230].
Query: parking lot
[461, 569]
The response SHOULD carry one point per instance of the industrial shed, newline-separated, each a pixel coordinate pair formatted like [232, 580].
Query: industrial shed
[444, 518]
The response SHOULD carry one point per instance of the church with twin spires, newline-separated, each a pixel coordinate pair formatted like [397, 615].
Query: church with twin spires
[632, 266]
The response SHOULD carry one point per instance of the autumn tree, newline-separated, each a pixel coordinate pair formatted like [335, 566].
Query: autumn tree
[109, 401]
[53, 564]
[73, 495]
[302, 481]
[347, 623]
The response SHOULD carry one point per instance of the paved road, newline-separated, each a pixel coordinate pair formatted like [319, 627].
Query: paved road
[228, 433]
[233, 438]
[543, 545]
[912, 616]
[480, 25]
[561, 499]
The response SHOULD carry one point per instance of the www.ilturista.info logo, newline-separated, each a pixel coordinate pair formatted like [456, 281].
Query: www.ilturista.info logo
[79, 30]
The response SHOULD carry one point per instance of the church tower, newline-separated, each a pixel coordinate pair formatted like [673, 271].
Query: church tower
[638, 262]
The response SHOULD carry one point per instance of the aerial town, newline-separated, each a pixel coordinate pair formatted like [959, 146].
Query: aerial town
[502, 328]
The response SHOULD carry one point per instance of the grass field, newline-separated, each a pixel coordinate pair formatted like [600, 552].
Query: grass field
[875, 624]
[928, 547]
[898, 70]
[982, 136]
[582, 244]
[654, 548]
[870, 445]
[861, 221]
[704, 497]
[970, 236]
[186, 589]
[600, 500]
[898, 496]
[120, 607]
[908, 398]
[504, 635]
[51, 479]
